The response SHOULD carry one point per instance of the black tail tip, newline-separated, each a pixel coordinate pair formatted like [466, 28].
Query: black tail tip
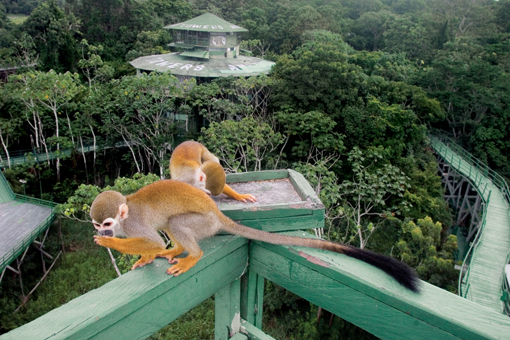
[400, 271]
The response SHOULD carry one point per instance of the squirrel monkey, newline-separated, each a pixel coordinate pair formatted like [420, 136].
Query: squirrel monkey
[192, 163]
[187, 214]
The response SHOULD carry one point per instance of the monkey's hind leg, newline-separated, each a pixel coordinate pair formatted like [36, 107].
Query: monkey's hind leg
[184, 238]
[169, 254]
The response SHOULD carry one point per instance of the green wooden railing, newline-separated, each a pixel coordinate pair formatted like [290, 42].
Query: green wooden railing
[39, 155]
[233, 269]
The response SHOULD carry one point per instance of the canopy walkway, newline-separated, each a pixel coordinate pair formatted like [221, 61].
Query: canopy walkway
[483, 274]
[22, 220]
[39, 155]
[141, 302]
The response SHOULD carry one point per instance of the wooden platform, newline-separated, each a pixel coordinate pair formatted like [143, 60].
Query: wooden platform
[20, 223]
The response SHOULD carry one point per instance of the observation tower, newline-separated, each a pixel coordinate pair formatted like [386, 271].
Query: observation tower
[212, 50]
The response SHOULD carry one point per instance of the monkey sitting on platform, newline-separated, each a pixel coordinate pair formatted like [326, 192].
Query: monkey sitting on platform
[192, 163]
[187, 214]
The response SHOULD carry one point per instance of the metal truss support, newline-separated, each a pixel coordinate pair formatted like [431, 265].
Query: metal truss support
[39, 245]
[463, 199]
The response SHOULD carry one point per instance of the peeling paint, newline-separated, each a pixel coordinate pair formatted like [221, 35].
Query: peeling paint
[236, 323]
[314, 259]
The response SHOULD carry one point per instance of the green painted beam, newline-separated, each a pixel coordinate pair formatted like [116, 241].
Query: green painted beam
[372, 300]
[252, 298]
[139, 303]
[227, 311]
[253, 332]
[257, 176]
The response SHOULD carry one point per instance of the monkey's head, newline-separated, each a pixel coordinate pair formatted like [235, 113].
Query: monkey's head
[215, 177]
[107, 211]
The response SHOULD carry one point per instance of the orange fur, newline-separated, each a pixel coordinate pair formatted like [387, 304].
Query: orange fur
[190, 160]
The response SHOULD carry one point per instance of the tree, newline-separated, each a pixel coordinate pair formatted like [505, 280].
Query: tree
[403, 35]
[246, 145]
[48, 91]
[141, 112]
[9, 127]
[92, 65]
[424, 246]
[374, 194]
[467, 83]
[54, 34]
[372, 24]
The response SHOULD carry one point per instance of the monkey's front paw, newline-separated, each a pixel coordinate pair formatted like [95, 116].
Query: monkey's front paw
[248, 198]
[104, 241]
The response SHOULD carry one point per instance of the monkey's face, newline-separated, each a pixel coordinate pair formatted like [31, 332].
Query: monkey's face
[109, 227]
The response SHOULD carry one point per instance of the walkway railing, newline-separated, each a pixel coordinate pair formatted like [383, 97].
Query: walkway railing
[478, 165]
[483, 178]
[39, 155]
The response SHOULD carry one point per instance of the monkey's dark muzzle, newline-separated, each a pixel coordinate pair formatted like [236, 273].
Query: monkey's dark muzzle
[105, 232]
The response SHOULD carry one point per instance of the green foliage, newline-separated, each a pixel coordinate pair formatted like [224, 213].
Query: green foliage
[55, 34]
[197, 324]
[246, 145]
[425, 247]
[313, 133]
[77, 206]
[287, 316]
[139, 113]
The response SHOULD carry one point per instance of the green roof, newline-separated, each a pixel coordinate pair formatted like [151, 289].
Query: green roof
[196, 54]
[207, 23]
[181, 65]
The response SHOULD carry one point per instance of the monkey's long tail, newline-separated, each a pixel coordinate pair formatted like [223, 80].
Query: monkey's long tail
[398, 270]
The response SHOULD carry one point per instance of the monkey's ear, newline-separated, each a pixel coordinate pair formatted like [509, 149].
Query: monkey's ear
[123, 211]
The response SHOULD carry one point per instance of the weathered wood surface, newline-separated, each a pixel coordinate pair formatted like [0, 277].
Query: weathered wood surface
[372, 300]
[20, 223]
[253, 332]
[291, 203]
[139, 303]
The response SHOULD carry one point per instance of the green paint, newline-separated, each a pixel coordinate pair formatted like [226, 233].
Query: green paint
[142, 301]
[372, 300]
[253, 332]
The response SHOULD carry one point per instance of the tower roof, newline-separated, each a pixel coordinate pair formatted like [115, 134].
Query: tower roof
[193, 67]
[207, 22]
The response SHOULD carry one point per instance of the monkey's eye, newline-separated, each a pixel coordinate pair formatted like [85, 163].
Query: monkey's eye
[107, 224]
[96, 225]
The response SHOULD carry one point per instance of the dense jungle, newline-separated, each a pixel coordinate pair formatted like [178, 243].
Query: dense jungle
[357, 87]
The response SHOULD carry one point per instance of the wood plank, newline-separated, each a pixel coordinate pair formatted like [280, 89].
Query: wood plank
[142, 301]
[253, 332]
[369, 298]
[227, 311]
[286, 223]
[257, 176]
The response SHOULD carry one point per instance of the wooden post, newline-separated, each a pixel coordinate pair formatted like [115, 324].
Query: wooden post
[252, 295]
[227, 311]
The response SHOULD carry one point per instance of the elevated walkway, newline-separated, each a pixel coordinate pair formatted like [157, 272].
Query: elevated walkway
[25, 156]
[22, 219]
[483, 274]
